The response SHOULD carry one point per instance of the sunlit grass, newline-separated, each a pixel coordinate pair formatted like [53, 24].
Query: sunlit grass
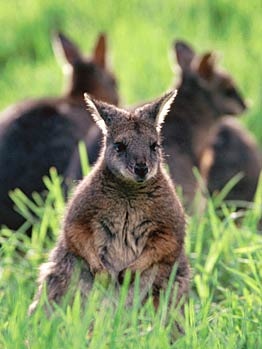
[140, 37]
[225, 302]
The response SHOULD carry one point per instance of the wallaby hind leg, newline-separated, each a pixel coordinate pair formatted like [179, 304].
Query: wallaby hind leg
[180, 285]
[147, 279]
[179, 290]
[156, 278]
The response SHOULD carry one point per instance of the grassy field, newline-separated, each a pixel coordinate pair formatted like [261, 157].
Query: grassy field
[225, 305]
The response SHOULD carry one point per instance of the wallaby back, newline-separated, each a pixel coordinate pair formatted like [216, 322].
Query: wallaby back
[232, 151]
[36, 135]
[125, 215]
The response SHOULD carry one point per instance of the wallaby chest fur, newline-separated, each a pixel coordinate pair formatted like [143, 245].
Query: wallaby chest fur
[122, 216]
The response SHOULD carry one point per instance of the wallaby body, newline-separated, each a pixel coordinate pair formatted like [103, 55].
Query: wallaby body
[205, 94]
[232, 150]
[125, 215]
[36, 135]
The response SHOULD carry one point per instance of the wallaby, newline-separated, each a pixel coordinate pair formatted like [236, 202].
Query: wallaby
[36, 135]
[125, 215]
[205, 94]
[232, 150]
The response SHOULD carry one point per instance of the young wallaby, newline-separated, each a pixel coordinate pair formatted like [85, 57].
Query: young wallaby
[125, 214]
[232, 150]
[205, 94]
[36, 135]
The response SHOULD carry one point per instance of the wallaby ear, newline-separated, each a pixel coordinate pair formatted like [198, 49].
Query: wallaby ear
[184, 54]
[156, 112]
[102, 122]
[104, 114]
[206, 65]
[99, 54]
[65, 49]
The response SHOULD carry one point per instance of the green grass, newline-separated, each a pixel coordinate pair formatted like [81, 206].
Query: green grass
[225, 304]
[224, 308]
[140, 35]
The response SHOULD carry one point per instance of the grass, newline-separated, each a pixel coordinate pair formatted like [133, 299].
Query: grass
[225, 304]
[224, 308]
[140, 35]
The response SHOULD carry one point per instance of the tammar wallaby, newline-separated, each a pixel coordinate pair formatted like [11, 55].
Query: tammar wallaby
[232, 150]
[36, 135]
[205, 94]
[125, 214]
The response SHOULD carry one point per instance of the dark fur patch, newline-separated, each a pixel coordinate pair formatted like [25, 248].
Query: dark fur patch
[107, 230]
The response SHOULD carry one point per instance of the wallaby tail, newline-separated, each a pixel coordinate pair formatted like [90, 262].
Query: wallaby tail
[56, 275]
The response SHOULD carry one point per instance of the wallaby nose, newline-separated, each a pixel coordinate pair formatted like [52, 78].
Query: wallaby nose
[141, 170]
[244, 105]
[242, 102]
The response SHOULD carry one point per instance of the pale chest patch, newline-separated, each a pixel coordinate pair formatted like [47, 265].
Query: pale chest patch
[121, 234]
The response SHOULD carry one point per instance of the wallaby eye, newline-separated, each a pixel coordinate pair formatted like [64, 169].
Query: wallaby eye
[230, 92]
[113, 81]
[154, 146]
[120, 147]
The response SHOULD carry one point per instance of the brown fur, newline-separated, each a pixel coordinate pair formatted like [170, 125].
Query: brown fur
[232, 150]
[125, 215]
[205, 94]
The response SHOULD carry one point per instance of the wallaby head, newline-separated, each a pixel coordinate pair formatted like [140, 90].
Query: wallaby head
[201, 72]
[86, 74]
[132, 149]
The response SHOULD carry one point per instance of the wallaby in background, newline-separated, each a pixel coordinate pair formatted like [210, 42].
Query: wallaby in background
[36, 135]
[125, 214]
[205, 94]
[232, 150]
